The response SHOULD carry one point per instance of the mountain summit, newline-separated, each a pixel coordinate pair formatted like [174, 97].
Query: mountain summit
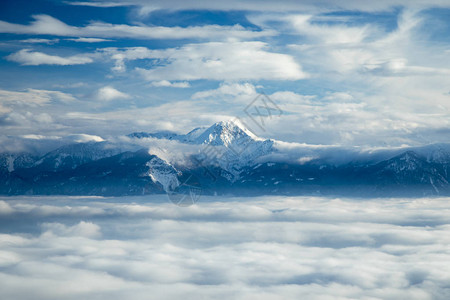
[227, 133]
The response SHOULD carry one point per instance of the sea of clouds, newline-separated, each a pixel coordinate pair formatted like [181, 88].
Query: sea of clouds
[224, 248]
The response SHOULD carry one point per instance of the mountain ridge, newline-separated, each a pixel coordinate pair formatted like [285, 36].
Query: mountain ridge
[228, 160]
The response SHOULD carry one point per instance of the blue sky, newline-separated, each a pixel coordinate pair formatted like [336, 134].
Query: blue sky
[353, 73]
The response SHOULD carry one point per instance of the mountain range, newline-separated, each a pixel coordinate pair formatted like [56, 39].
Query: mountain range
[225, 159]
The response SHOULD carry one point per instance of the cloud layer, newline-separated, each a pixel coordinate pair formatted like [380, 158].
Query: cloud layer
[48, 25]
[265, 6]
[252, 248]
[211, 61]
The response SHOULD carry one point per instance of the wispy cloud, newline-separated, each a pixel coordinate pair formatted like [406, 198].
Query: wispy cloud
[40, 41]
[166, 83]
[268, 6]
[97, 3]
[32, 97]
[45, 24]
[218, 61]
[88, 40]
[27, 57]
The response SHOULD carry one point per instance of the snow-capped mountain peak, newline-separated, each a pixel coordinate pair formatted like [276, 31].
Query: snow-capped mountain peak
[225, 133]
[234, 145]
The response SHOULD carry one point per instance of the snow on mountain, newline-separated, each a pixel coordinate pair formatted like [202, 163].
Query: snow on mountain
[192, 135]
[162, 172]
[228, 145]
[220, 134]
[231, 146]
[227, 134]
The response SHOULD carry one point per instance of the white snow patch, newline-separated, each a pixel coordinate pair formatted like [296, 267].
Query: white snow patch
[162, 172]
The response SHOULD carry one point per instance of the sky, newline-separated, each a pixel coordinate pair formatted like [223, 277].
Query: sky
[350, 73]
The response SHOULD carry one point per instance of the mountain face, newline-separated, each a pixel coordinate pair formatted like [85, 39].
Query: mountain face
[12, 161]
[234, 147]
[162, 173]
[226, 145]
[127, 173]
[158, 135]
[229, 160]
[410, 171]
[71, 156]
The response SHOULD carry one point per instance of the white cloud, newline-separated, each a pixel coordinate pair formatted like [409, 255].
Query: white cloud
[213, 61]
[166, 83]
[342, 118]
[170, 116]
[384, 86]
[218, 61]
[27, 120]
[33, 97]
[121, 56]
[339, 96]
[43, 118]
[351, 118]
[109, 93]
[39, 41]
[27, 57]
[96, 4]
[5, 208]
[84, 229]
[83, 138]
[4, 109]
[366, 50]
[39, 137]
[72, 138]
[88, 40]
[224, 248]
[45, 24]
[317, 32]
[267, 6]
[227, 89]
[334, 48]
[173, 152]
